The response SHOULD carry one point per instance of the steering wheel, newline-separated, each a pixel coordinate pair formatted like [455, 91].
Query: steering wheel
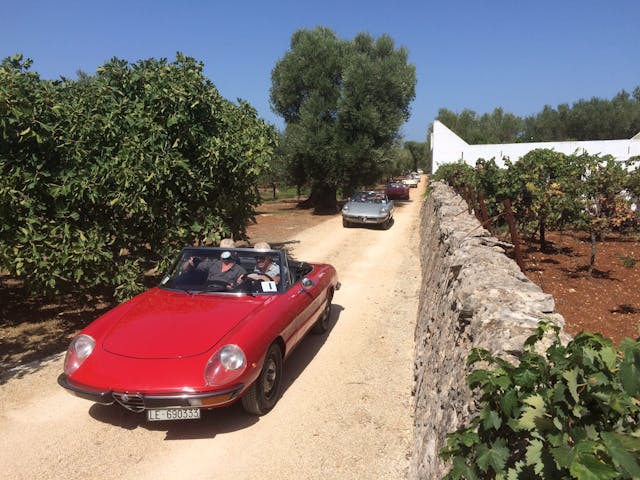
[216, 285]
[251, 285]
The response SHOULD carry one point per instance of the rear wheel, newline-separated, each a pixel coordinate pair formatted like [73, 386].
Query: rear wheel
[322, 324]
[263, 394]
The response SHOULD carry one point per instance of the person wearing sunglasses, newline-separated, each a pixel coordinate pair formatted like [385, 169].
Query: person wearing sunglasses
[265, 270]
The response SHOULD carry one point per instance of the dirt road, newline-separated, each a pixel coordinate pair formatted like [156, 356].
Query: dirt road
[345, 412]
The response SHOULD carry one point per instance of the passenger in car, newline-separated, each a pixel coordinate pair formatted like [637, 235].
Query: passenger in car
[227, 243]
[265, 269]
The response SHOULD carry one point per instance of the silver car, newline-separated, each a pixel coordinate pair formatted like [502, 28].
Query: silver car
[368, 208]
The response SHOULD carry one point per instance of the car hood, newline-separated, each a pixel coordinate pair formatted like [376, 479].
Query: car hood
[365, 208]
[169, 324]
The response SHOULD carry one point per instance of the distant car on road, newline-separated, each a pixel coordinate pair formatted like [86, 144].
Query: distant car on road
[371, 207]
[397, 189]
[411, 181]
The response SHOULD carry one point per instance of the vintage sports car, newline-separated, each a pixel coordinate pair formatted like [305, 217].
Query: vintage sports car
[397, 189]
[368, 208]
[201, 338]
[411, 181]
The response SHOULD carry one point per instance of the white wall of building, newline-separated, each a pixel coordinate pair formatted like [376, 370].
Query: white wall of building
[447, 147]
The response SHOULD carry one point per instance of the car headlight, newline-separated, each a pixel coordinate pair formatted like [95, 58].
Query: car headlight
[79, 350]
[345, 208]
[224, 366]
[384, 210]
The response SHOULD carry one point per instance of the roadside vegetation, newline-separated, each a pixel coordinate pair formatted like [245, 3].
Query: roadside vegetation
[549, 190]
[592, 119]
[570, 410]
[102, 178]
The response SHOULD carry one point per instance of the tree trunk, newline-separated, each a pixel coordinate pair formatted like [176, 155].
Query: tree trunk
[322, 199]
[592, 260]
[543, 237]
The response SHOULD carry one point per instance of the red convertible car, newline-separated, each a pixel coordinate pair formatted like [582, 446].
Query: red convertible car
[397, 189]
[216, 329]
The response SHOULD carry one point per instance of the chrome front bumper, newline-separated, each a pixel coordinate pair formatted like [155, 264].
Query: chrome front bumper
[364, 219]
[138, 402]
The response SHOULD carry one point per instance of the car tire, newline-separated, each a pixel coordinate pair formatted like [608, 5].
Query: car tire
[322, 324]
[346, 223]
[264, 393]
[384, 225]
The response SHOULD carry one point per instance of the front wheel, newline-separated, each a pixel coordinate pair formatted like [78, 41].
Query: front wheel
[322, 324]
[386, 225]
[263, 394]
[346, 223]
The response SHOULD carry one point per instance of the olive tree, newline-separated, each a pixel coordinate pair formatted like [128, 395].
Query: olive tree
[343, 103]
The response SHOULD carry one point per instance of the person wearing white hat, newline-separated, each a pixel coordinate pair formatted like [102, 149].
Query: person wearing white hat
[226, 270]
[265, 269]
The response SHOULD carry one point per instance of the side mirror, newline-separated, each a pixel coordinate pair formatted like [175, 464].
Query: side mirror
[306, 282]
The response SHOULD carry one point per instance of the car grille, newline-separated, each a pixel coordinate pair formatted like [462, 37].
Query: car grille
[130, 401]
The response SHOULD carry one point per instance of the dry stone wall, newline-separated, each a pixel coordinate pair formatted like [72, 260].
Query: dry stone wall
[473, 295]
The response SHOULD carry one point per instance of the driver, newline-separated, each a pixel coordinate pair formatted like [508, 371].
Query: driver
[265, 270]
[226, 270]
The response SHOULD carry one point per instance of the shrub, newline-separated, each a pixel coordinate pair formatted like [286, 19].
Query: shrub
[106, 177]
[571, 412]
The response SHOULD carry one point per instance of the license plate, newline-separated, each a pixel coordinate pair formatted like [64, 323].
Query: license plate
[163, 414]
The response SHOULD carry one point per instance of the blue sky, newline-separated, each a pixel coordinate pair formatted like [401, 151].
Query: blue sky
[476, 54]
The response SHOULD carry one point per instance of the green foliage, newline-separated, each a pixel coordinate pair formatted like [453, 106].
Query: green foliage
[572, 411]
[107, 176]
[418, 151]
[496, 127]
[603, 183]
[594, 119]
[632, 183]
[543, 189]
[627, 261]
[550, 190]
[343, 103]
[457, 174]
[492, 181]
[397, 161]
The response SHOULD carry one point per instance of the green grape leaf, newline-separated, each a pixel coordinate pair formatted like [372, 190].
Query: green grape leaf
[530, 414]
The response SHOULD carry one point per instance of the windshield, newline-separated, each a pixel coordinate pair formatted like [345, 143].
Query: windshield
[232, 270]
[369, 197]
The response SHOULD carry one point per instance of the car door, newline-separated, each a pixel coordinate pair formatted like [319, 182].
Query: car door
[306, 303]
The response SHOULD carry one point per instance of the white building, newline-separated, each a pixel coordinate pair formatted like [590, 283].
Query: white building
[447, 147]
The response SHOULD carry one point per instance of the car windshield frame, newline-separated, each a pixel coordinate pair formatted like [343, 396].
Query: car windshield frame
[372, 196]
[193, 277]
